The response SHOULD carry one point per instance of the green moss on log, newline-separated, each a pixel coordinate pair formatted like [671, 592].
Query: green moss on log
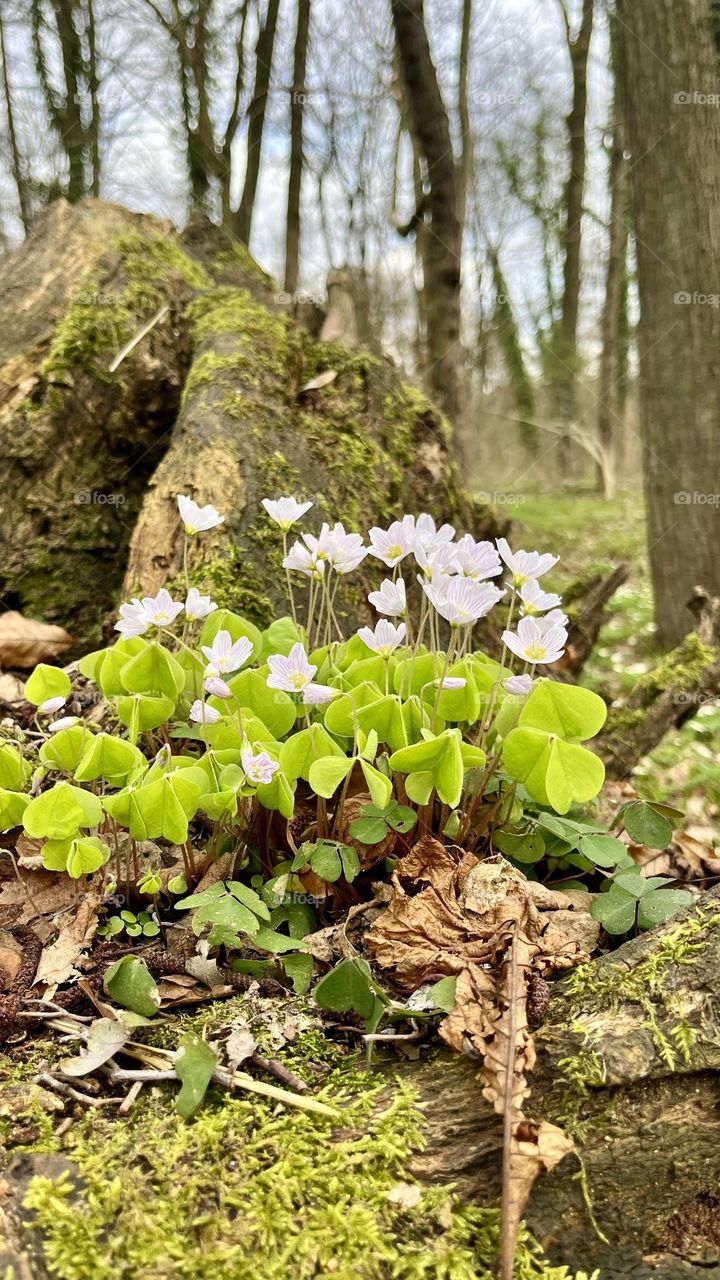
[259, 1193]
[99, 321]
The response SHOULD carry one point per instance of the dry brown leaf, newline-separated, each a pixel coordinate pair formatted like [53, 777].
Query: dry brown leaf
[12, 689]
[240, 1044]
[11, 956]
[24, 642]
[58, 961]
[483, 922]
[322, 380]
[42, 893]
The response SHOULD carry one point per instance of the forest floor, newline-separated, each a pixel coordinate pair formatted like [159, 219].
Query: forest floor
[260, 1191]
[592, 535]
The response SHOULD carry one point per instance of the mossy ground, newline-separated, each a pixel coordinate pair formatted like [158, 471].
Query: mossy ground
[604, 988]
[258, 1192]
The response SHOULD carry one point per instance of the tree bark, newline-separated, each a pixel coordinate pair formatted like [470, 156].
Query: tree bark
[297, 108]
[241, 221]
[430, 128]
[667, 67]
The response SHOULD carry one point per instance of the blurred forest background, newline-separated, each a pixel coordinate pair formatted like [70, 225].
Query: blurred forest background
[517, 199]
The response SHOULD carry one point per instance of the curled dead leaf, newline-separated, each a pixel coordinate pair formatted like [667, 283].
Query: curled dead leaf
[322, 380]
[24, 641]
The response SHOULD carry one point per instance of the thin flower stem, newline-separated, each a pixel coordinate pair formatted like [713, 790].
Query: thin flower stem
[288, 579]
[448, 655]
[186, 573]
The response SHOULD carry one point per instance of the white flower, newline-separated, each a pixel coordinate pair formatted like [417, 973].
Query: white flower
[197, 606]
[316, 695]
[385, 638]
[343, 551]
[51, 705]
[461, 601]
[424, 533]
[304, 560]
[201, 713]
[519, 685]
[390, 599]
[197, 519]
[555, 618]
[260, 768]
[452, 682]
[535, 644]
[218, 688]
[64, 723]
[390, 545]
[525, 564]
[477, 560]
[152, 611]
[223, 656]
[292, 673]
[285, 511]
[133, 620]
[435, 559]
[535, 600]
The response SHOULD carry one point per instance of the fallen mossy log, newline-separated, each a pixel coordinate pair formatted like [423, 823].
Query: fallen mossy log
[586, 604]
[627, 1062]
[136, 363]
[686, 679]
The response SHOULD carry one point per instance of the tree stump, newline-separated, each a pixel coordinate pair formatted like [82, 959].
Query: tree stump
[136, 364]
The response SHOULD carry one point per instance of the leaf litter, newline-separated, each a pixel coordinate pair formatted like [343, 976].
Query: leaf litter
[495, 932]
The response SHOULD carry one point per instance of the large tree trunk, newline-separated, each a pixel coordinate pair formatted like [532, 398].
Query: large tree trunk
[667, 67]
[89, 450]
[430, 128]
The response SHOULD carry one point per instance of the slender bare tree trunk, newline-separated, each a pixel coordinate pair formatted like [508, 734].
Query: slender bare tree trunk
[465, 163]
[17, 166]
[430, 129]
[297, 104]
[668, 74]
[508, 338]
[565, 337]
[611, 364]
[242, 219]
[93, 90]
[70, 127]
